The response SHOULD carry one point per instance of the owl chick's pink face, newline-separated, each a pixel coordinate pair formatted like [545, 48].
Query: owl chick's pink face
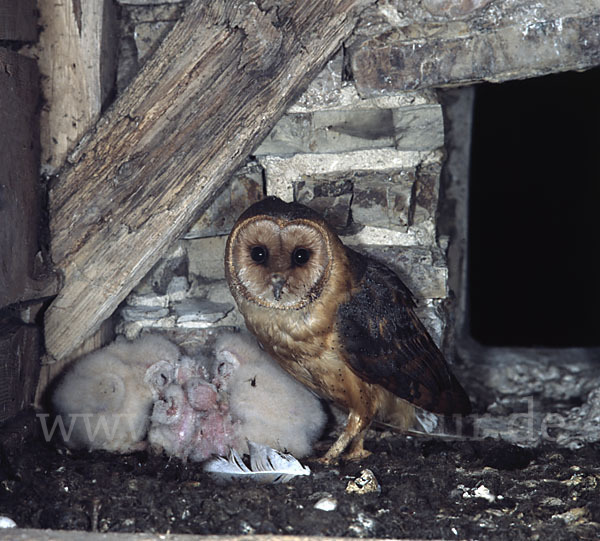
[279, 264]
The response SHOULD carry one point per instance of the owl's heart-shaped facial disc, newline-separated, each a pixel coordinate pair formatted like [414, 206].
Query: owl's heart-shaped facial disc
[280, 264]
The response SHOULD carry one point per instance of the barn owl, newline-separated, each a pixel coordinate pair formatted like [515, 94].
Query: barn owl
[340, 322]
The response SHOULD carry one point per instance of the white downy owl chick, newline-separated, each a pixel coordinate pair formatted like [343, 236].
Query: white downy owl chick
[104, 398]
[189, 419]
[192, 369]
[173, 423]
[145, 351]
[190, 422]
[270, 406]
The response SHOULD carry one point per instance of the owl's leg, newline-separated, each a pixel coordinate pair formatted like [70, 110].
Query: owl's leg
[357, 451]
[354, 433]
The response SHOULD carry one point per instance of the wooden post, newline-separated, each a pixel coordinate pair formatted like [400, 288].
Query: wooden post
[19, 192]
[209, 95]
[20, 281]
[76, 55]
[20, 347]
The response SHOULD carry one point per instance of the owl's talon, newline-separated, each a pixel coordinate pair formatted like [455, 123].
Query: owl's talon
[328, 460]
[353, 455]
[356, 455]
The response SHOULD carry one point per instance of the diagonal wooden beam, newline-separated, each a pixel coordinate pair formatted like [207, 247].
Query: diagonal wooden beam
[209, 95]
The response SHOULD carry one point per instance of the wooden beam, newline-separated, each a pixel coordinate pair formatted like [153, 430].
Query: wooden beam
[76, 55]
[20, 201]
[209, 95]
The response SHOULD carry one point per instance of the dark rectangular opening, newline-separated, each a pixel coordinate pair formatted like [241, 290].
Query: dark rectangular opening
[534, 212]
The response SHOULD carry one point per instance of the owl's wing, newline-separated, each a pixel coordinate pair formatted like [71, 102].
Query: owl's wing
[386, 344]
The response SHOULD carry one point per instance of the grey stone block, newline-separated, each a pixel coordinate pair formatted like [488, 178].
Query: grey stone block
[426, 193]
[244, 188]
[132, 329]
[408, 128]
[422, 269]
[139, 313]
[329, 131]
[428, 311]
[418, 128]
[200, 313]
[329, 197]
[382, 204]
[206, 257]
[148, 299]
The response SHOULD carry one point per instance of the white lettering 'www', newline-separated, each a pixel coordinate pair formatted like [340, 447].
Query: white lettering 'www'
[92, 432]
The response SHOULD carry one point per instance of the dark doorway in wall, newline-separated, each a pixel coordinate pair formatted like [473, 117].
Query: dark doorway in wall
[534, 212]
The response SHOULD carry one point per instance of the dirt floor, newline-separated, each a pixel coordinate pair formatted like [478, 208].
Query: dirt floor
[429, 488]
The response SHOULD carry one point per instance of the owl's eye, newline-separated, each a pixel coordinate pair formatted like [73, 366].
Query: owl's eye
[259, 254]
[300, 256]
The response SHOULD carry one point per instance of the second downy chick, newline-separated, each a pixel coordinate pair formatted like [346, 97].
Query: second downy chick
[269, 406]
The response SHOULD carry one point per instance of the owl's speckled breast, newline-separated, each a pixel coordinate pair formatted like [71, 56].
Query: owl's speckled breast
[314, 358]
[300, 342]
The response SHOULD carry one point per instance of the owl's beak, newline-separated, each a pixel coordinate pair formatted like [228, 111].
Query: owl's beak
[278, 281]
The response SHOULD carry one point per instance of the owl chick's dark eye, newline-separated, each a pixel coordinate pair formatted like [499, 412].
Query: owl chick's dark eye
[259, 254]
[300, 256]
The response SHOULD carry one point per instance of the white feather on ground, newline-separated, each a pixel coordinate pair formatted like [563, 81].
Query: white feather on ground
[104, 398]
[266, 465]
[271, 407]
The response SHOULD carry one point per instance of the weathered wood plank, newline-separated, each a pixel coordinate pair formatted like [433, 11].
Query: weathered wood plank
[212, 91]
[19, 366]
[18, 20]
[76, 55]
[19, 178]
[519, 40]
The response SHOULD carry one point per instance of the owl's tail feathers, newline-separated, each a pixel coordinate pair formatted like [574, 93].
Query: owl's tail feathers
[426, 423]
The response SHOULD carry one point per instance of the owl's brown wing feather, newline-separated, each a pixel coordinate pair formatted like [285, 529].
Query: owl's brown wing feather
[386, 344]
